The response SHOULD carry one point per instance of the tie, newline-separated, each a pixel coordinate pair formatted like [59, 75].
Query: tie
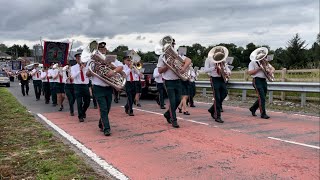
[47, 78]
[60, 78]
[131, 77]
[37, 75]
[82, 76]
[218, 71]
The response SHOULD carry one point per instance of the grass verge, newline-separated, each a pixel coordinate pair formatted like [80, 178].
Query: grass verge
[30, 151]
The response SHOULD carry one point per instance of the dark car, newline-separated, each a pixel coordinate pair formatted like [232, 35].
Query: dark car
[149, 85]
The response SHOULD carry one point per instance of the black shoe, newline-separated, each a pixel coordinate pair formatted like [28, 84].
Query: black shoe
[162, 107]
[219, 120]
[186, 113]
[95, 107]
[107, 132]
[126, 110]
[84, 116]
[81, 120]
[116, 100]
[264, 116]
[131, 114]
[23, 95]
[180, 110]
[100, 125]
[211, 113]
[253, 112]
[139, 105]
[167, 118]
[221, 110]
[37, 99]
[175, 124]
[71, 114]
[192, 105]
[60, 108]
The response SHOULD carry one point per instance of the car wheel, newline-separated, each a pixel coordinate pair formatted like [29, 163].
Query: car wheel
[8, 85]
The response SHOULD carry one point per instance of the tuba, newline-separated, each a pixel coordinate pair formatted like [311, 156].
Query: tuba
[101, 65]
[219, 56]
[172, 59]
[260, 57]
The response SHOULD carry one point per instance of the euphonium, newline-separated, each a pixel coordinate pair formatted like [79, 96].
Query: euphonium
[101, 66]
[219, 55]
[260, 57]
[172, 59]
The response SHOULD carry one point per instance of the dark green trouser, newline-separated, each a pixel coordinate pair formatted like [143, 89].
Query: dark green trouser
[161, 90]
[192, 92]
[131, 93]
[83, 98]
[104, 99]
[69, 89]
[260, 85]
[37, 85]
[53, 92]
[46, 89]
[219, 89]
[173, 88]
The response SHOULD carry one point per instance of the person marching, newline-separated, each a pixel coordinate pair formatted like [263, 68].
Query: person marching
[129, 70]
[138, 75]
[81, 81]
[103, 91]
[46, 84]
[52, 72]
[160, 87]
[217, 68]
[172, 82]
[69, 87]
[194, 75]
[37, 83]
[61, 80]
[24, 78]
[260, 70]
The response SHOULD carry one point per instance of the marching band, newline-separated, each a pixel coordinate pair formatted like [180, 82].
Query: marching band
[174, 76]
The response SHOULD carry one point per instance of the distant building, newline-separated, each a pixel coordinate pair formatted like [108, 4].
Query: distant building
[4, 56]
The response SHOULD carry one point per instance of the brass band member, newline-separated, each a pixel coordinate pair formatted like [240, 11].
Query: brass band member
[69, 87]
[81, 81]
[160, 87]
[103, 91]
[52, 72]
[46, 84]
[130, 84]
[61, 81]
[37, 83]
[259, 82]
[173, 85]
[24, 78]
[218, 84]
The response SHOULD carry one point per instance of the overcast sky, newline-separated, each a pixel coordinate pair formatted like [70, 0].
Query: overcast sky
[140, 24]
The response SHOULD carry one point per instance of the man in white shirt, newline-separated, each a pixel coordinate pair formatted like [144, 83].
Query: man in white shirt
[53, 82]
[46, 84]
[259, 82]
[81, 81]
[130, 84]
[69, 87]
[160, 87]
[37, 82]
[173, 86]
[218, 86]
[103, 92]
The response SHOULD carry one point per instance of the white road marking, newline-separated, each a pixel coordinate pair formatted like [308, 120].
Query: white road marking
[292, 142]
[177, 117]
[235, 130]
[113, 171]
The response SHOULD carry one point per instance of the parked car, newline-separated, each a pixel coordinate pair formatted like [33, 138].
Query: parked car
[4, 79]
[149, 85]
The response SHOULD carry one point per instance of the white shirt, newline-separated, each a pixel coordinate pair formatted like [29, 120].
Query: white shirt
[192, 75]
[211, 69]
[157, 76]
[127, 70]
[36, 73]
[44, 76]
[67, 81]
[252, 66]
[53, 73]
[169, 74]
[76, 74]
[96, 81]
[63, 77]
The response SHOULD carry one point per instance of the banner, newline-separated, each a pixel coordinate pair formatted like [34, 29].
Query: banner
[16, 65]
[55, 52]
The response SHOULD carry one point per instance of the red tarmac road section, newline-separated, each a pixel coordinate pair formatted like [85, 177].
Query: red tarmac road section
[145, 146]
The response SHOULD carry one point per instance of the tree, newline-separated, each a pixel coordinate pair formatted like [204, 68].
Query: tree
[296, 53]
[120, 51]
[3, 48]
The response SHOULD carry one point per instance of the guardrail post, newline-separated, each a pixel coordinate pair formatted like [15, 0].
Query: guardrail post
[270, 97]
[204, 92]
[283, 79]
[244, 95]
[245, 75]
[303, 98]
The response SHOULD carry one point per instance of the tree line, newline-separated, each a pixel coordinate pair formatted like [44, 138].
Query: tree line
[294, 56]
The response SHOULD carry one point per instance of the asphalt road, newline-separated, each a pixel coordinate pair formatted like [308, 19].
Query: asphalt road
[144, 146]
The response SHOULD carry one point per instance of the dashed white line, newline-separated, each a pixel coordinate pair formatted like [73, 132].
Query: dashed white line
[113, 171]
[297, 143]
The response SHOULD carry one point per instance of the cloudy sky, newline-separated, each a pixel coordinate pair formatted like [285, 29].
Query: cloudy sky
[140, 24]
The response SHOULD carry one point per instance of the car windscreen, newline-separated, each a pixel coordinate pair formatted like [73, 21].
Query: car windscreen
[148, 68]
[3, 75]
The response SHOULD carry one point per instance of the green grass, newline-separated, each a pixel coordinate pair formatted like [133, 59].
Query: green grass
[30, 151]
